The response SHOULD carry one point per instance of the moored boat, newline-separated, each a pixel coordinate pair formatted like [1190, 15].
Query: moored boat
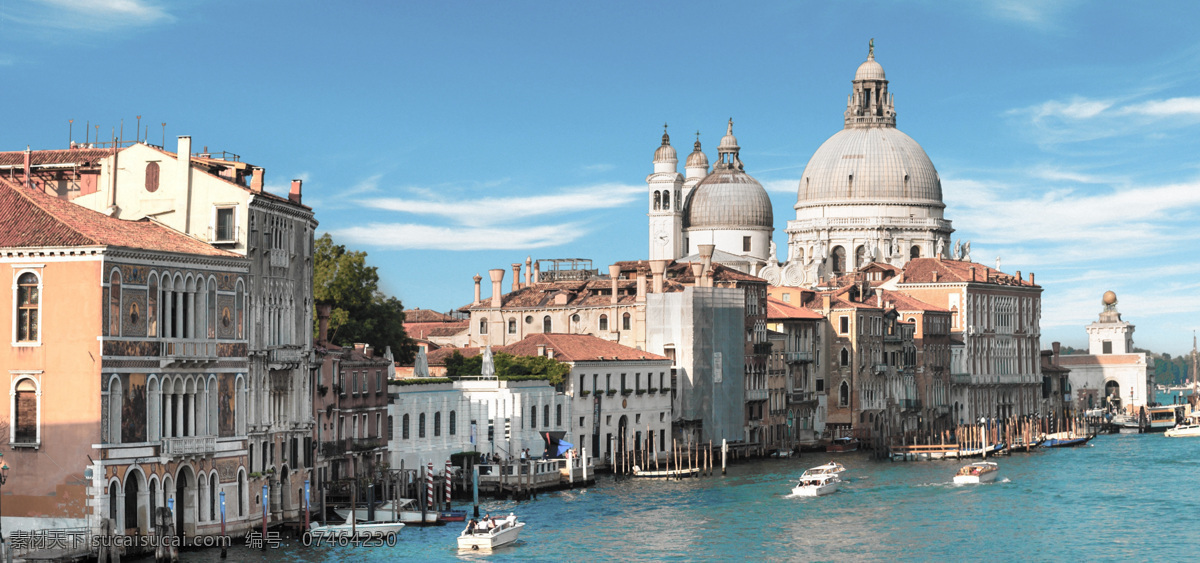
[1064, 440]
[816, 485]
[975, 473]
[482, 535]
[665, 473]
[359, 530]
[843, 444]
[404, 510]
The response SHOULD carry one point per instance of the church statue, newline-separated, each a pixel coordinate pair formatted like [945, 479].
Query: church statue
[941, 248]
[957, 252]
[774, 258]
[966, 251]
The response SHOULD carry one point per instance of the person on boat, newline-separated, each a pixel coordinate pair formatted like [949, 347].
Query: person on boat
[471, 526]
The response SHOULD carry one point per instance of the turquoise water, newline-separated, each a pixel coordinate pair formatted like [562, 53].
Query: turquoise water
[1120, 497]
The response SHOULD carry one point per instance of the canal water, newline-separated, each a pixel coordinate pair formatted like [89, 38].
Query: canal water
[1119, 497]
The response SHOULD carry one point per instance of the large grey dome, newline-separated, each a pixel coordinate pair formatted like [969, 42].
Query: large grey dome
[728, 198]
[870, 165]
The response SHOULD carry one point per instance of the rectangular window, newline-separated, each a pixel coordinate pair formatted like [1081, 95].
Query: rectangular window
[745, 244]
[225, 229]
[378, 381]
[844, 325]
[1108, 346]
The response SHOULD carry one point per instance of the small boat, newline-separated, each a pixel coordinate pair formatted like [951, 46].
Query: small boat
[782, 453]
[1189, 428]
[453, 516]
[831, 468]
[665, 473]
[993, 449]
[359, 530]
[817, 485]
[843, 444]
[1126, 424]
[404, 510]
[1064, 440]
[975, 473]
[503, 533]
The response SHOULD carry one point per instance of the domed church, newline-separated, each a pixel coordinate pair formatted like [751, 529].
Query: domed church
[727, 208]
[869, 194]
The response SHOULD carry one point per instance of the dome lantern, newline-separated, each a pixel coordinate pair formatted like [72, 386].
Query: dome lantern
[870, 104]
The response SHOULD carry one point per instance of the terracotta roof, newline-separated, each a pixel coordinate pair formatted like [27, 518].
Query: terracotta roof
[777, 309]
[1103, 359]
[576, 293]
[920, 270]
[40, 158]
[904, 302]
[30, 218]
[438, 357]
[577, 348]
[681, 272]
[425, 330]
[426, 316]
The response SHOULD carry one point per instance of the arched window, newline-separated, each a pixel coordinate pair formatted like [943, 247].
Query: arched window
[114, 303]
[115, 396]
[453, 426]
[152, 176]
[437, 423]
[546, 324]
[152, 306]
[512, 326]
[845, 357]
[844, 394]
[837, 260]
[211, 310]
[421, 425]
[657, 200]
[243, 494]
[28, 307]
[533, 417]
[860, 256]
[914, 252]
[25, 413]
[558, 415]
[240, 311]
[391, 431]
[603, 322]
[213, 493]
[404, 427]
[546, 415]
[625, 325]
[667, 200]
[483, 326]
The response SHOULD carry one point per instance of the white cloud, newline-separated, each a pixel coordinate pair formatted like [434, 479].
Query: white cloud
[283, 189]
[782, 186]
[1172, 107]
[428, 237]
[95, 15]
[498, 210]
[598, 167]
[1083, 119]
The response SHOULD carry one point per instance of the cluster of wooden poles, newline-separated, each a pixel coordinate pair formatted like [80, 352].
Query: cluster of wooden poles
[683, 459]
[1016, 433]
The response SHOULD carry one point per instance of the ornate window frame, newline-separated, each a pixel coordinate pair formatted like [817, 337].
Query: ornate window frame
[15, 378]
[18, 271]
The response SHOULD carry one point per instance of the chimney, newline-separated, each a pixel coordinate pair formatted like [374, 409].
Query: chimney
[657, 267]
[541, 349]
[528, 265]
[256, 182]
[323, 311]
[706, 252]
[825, 303]
[1018, 277]
[614, 272]
[497, 276]
[935, 276]
[28, 163]
[972, 273]
[361, 348]
[516, 276]
[1031, 278]
[641, 285]
[183, 157]
[536, 272]
[478, 278]
[294, 195]
[697, 268]
[368, 351]
[1056, 347]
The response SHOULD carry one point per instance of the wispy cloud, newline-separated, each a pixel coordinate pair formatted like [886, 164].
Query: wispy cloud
[598, 167]
[407, 236]
[281, 189]
[1083, 119]
[96, 15]
[1033, 13]
[498, 210]
[782, 186]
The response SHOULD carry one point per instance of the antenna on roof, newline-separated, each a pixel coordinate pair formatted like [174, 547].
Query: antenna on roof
[70, 132]
[164, 145]
[139, 127]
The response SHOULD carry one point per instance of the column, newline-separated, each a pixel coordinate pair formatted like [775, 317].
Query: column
[177, 406]
[167, 415]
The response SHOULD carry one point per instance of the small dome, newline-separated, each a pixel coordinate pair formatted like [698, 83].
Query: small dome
[870, 70]
[666, 151]
[728, 198]
[697, 159]
[728, 142]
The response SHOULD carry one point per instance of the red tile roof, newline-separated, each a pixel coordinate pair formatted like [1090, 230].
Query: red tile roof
[438, 357]
[425, 330]
[577, 348]
[778, 310]
[419, 315]
[921, 270]
[904, 302]
[39, 158]
[31, 218]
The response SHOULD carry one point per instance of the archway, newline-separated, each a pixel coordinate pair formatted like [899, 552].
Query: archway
[136, 517]
[837, 260]
[285, 486]
[1112, 394]
[185, 501]
[621, 429]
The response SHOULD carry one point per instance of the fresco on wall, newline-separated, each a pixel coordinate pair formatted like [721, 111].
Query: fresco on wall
[225, 402]
[133, 409]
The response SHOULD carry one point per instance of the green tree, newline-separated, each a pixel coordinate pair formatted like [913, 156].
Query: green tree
[361, 313]
[508, 366]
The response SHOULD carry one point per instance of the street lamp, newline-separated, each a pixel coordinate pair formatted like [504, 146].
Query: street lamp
[3, 478]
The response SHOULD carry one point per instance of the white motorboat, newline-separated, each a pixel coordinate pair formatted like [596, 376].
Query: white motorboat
[665, 473]
[359, 530]
[403, 510]
[976, 473]
[477, 536]
[816, 485]
[1189, 428]
[831, 468]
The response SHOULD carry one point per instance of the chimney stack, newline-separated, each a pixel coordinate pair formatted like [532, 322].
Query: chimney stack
[697, 270]
[706, 253]
[28, 163]
[537, 270]
[294, 195]
[497, 276]
[478, 278]
[972, 273]
[1056, 347]
[935, 276]
[528, 266]
[516, 276]
[657, 267]
[641, 285]
[256, 182]
[1031, 279]
[614, 272]
[825, 303]
[323, 310]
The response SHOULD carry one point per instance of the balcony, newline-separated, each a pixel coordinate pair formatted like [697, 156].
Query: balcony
[279, 258]
[189, 445]
[800, 397]
[909, 404]
[756, 395]
[187, 350]
[960, 378]
[341, 447]
[285, 355]
[797, 357]
[880, 368]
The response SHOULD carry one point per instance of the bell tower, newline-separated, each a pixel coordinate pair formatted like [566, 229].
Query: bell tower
[665, 208]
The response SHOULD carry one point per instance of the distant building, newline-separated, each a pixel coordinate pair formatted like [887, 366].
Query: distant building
[795, 353]
[1111, 375]
[1056, 386]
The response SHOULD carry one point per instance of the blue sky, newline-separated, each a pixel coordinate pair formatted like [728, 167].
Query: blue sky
[447, 138]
